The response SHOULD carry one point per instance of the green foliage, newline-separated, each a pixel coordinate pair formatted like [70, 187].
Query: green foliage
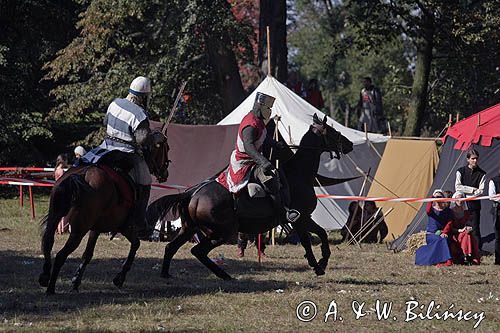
[164, 40]
[323, 48]
[339, 42]
[31, 33]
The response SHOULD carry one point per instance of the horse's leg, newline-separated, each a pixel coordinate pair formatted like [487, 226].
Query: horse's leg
[134, 246]
[325, 246]
[70, 246]
[171, 248]
[87, 256]
[305, 240]
[201, 250]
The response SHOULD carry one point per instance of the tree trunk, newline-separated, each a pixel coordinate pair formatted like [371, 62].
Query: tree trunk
[227, 75]
[273, 14]
[418, 102]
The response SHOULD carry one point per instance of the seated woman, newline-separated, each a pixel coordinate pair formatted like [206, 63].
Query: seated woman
[463, 245]
[437, 251]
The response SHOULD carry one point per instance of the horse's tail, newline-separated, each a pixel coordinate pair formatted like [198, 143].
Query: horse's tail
[173, 205]
[64, 195]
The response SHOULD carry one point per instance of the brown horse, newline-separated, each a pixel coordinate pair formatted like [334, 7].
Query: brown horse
[210, 206]
[91, 201]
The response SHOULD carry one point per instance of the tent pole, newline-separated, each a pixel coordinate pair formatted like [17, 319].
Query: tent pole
[268, 52]
[389, 128]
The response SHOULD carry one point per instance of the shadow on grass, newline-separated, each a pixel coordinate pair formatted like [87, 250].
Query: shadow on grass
[20, 292]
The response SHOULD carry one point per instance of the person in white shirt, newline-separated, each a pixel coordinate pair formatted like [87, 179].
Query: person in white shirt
[494, 189]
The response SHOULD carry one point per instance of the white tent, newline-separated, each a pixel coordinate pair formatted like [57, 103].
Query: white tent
[296, 117]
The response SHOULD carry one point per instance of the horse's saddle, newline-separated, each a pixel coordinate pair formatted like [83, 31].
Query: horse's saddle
[124, 185]
[259, 206]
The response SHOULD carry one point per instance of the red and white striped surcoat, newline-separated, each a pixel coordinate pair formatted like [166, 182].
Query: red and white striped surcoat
[236, 176]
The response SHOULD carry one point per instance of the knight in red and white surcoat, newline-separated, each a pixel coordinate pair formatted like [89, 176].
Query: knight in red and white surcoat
[247, 155]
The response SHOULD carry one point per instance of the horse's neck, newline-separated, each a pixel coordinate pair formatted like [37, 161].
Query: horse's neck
[306, 159]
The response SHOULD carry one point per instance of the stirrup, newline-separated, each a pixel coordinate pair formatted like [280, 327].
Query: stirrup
[292, 215]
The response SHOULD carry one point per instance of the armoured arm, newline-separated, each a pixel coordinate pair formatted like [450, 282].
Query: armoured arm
[249, 135]
[142, 134]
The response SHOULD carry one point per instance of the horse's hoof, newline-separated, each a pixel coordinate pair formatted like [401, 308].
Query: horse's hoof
[50, 291]
[319, 271]
[44, 280]
[118, 281]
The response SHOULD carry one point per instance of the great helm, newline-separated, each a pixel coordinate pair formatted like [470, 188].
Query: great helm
[262, 105]
[264, 100]
[141, 86]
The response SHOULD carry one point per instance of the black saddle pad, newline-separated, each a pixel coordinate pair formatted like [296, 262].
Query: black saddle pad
[253, 208]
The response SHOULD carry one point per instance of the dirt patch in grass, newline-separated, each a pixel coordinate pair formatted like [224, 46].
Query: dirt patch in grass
[263, 297]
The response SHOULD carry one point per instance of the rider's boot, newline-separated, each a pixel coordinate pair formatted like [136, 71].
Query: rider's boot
[140, 225]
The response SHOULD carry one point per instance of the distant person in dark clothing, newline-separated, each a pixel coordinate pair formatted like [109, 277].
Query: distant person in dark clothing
[313, 95]
[243, 240]
[494, 189]
[295, 84]
[470, 180]
[370, 108]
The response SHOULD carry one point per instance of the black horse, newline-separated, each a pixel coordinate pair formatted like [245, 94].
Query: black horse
[210, 206]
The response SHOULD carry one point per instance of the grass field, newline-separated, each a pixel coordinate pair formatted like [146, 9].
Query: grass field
[263, 298]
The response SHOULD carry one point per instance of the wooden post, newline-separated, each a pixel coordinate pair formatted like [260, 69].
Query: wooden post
[449, 120]
[347, 111]
[366, 131]
[21, 203]
[32, 203]
[389, 127]
[259, 247]
[458, 117]
[478, 119]
[268, 52]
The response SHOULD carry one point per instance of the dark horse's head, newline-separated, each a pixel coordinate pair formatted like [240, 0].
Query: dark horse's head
[157, 159]
[333, 140]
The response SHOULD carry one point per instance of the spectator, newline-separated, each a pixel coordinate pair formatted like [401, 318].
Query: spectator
[79, 152]
[463, 245]
[313, 95]
[377, 230]
[61, 165]
[470, 180]
[243, 242]
[494, 189]
[295, 84]
[370, 108]
[436, 251]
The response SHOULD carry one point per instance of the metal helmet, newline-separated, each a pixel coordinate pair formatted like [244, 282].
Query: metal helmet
[263, 104]
[141, 86]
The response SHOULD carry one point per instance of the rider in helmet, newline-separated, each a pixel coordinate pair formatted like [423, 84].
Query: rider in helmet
[248, 157]
[128, 135]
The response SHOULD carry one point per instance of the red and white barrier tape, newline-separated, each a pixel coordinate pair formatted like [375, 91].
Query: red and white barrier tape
[25, 169]
[383, 199]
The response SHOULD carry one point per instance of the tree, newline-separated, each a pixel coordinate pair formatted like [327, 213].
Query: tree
[430, 25]
[168, 41]
[273, 14]
[31, 33]
[323, 47]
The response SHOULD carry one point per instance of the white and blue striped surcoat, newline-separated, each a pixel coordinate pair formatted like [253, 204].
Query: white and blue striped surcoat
[123, 118]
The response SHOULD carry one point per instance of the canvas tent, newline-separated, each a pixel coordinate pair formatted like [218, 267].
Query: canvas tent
[197, 153]
[480, 131]
[406, 170]
[296, 117]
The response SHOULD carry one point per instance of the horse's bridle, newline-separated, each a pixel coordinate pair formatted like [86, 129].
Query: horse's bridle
[322, 131]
